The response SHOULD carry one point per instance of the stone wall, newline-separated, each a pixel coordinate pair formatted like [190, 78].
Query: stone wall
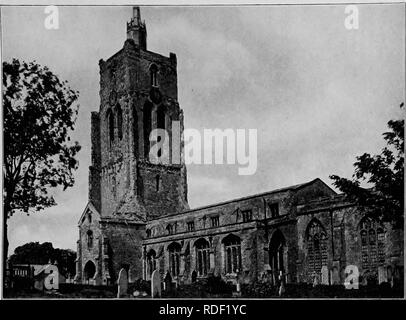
[123, 248]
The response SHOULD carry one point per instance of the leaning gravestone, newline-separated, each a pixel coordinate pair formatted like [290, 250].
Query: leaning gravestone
[155, 284]
[324, 275]
[122, 283]
[382, 275]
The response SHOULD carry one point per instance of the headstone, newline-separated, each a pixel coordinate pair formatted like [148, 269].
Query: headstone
[281, 290]
[155, 284]
[122, 283]
[324, 275]
[315, 279]
[382, 275]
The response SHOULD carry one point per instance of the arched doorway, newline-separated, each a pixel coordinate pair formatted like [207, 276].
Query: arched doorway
[277, 255]
[89, 271]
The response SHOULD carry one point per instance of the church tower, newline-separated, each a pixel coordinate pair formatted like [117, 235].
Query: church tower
[131, 181]
[138, 94]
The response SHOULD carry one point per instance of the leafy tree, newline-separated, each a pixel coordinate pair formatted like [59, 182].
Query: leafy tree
[39, 113]
[385, 200]
[36, 253]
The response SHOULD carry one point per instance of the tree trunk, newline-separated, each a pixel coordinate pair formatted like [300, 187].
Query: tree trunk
[5, 246]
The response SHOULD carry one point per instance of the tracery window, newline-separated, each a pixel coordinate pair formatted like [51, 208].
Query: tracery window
[316, 246]
[202, 257]
[372, 244]
[174, 258]
[232, 249]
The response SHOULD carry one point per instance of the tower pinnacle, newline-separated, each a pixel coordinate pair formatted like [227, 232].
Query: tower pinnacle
[136, 29]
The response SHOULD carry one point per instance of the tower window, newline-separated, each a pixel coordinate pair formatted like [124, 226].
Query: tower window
[119, 122]
[147, 127]
[110, 122]
[157, 182]
[160, 125]
[153, 74]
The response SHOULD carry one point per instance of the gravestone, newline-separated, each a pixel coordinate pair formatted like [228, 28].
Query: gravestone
[122, 283]
[382, 275]
[316, 281]
[324, 275]
[155, 284]
[281, 290]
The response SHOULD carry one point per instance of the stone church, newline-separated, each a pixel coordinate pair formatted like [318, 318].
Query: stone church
[138, 218]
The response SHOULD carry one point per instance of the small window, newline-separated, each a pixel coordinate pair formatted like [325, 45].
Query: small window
[90, 239]
[170, 229]
[110, 122]
[246, 215]
[274, 209]
[89, 217]
[215, 221]
[148, 233]
[153, 73]
[119, 113]
[191, 226]
[157, 183]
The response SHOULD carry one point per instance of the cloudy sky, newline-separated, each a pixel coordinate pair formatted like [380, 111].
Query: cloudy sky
[318, 94]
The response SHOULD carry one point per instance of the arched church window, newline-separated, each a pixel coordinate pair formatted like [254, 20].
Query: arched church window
[277, 254]
[119, 113]
[89, 239]
[174, 258]
[372, 244]
[110, 123]
[135, 130]
[160, 125]
[170, 229]
[157, 182]
[202, 257]
[316, 246]
[151, 261]
[232, 249]
[89, 217]
[153, 70]
[147, 127]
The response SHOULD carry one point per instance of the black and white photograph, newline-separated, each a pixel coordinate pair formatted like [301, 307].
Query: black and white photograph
[217, 151]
